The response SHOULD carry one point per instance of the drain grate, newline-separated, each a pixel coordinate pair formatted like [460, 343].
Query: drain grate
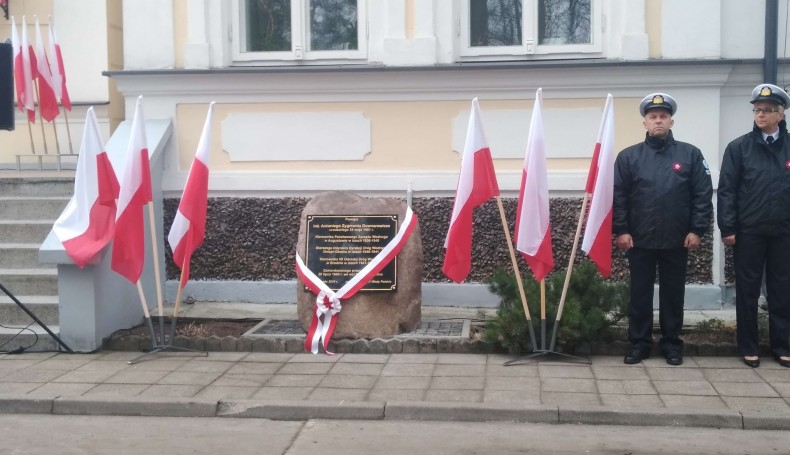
[436, 328]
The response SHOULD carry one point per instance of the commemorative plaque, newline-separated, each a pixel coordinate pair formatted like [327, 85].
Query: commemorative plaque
[339, 233]
[339, 246]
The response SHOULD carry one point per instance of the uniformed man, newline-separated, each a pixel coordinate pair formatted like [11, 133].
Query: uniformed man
[754, 218]
[662, 208]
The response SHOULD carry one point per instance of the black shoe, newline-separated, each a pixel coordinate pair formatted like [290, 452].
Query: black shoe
[636, 355]
[782, 362]
[674, 357]
[751, 363]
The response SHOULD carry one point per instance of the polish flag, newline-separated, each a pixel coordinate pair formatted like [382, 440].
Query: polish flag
[476, 184]
[128, 247]
[87, 223]
[189, 225]
[47, 101]
[57, 69]
[597, 241]
[30, 55]
[23, 76]
[533, 227]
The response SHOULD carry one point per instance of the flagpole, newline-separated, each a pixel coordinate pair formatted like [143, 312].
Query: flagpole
[519, 282]
[68, 129]
[155, 249]
[30, 131]
[178, 302]
[568, 272]
[543, 314]
[41, 117]
[57, 145]
[55, 131]
[146, 313]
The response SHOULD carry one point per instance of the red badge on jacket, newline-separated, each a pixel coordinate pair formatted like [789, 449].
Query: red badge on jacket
[787, 164]
[677, 167]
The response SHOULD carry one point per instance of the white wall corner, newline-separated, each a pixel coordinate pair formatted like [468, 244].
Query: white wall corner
[197, 52]
[626, 26]
[398, 50]
[148, 34]
[635, 47]
[197, 55]
[700, 22]
[403, 52]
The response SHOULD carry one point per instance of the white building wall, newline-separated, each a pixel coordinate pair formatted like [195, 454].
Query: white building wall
[148, 30]
[692, 29]
[82, 32]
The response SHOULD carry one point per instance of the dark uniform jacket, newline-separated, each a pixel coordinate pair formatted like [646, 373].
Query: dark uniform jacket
[754, 185]
[662, 191]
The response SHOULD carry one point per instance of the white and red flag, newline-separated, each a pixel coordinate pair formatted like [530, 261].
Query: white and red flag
[87, 223]
[47, 101]
[597, 241]
[57, 69]
[189, 225]
[533, 227]
[476, 184]
[128, 247]
[23, 77]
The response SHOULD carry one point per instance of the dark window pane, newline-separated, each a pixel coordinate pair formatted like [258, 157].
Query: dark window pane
[268, 25]
[495, 22]
[564, 22]
[333, 25]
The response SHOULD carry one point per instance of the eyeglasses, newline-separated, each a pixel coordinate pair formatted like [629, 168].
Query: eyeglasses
[757, 111]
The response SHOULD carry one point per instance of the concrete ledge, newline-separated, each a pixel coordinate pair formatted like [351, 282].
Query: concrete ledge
[651, 417]
[396, 410]
[129, 406]
[756, 420]
[469, 412]
[302, 410]
[467, 295]
[15, 405]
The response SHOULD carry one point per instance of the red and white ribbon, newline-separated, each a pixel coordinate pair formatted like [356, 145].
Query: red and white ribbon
[327, 303]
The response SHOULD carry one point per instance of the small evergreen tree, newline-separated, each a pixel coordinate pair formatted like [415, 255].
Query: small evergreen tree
[592, 309]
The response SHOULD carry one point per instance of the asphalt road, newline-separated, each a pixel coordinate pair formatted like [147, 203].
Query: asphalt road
[48, 434]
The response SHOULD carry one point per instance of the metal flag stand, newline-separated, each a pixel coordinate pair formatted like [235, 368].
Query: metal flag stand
[547, 354]
[163, 343]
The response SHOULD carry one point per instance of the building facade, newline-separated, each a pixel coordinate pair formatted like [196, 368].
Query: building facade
[373, 96]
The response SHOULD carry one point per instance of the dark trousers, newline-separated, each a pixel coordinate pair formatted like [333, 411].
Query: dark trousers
[671, 291]
[753, 254]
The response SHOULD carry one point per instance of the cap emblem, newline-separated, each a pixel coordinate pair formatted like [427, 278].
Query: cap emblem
[766, 91]
[658, 99]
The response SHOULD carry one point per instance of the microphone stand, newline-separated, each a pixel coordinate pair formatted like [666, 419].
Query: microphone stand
[38, 321]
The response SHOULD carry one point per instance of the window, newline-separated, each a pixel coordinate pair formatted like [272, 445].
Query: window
[521, 27]
[299, 30]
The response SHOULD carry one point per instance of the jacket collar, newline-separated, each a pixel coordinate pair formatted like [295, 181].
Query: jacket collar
[657, 143]
[758, 133]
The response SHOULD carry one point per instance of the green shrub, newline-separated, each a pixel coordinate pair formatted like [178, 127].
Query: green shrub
[593, 307]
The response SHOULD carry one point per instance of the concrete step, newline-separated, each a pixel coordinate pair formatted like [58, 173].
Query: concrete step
[32, 208]
[33, 338]
[25, 231]
[37, 186]
[45, 307]
[30, 281]
[21, 256]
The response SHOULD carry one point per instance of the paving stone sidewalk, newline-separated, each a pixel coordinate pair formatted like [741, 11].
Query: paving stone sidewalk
[704, 391]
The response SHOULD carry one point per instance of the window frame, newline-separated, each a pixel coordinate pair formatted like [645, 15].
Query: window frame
[530, 46]
[300, 38]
